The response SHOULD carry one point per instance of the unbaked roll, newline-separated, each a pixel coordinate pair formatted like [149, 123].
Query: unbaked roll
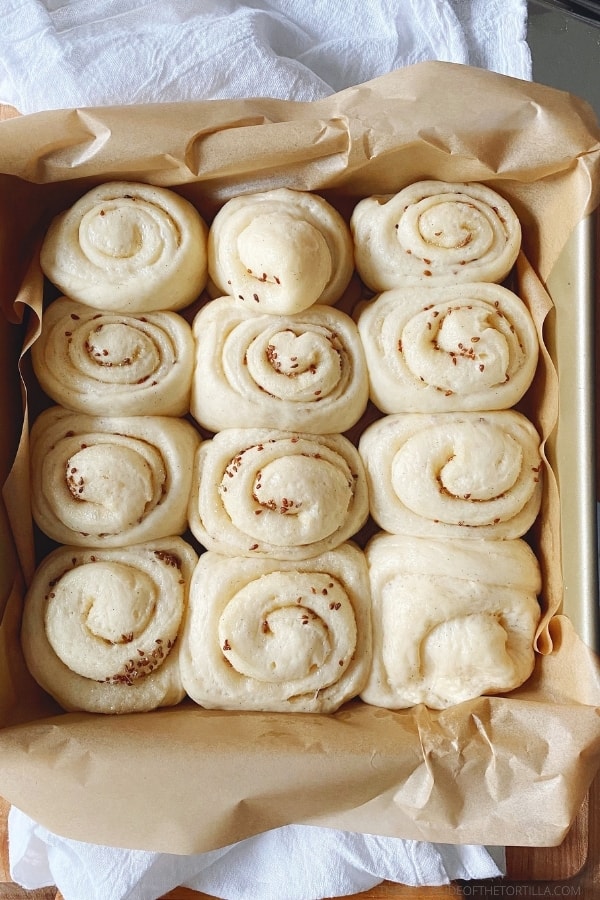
[115, 364]
[280, 494]
[305, 371]
[106, 481]
[459, 347]
[279, 251]
[276, 636]
[461, 475]
[452, 619]
[434, 232]
[101, 628]
[128, 247]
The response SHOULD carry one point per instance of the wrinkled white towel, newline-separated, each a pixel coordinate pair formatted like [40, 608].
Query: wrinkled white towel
[291, 863]
[61, 53]
[68, 53]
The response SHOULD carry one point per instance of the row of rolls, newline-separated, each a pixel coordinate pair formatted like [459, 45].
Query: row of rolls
[209, 470]
[458, 348]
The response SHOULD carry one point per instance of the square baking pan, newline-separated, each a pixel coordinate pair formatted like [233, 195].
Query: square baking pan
[420, 775]
[572, 340]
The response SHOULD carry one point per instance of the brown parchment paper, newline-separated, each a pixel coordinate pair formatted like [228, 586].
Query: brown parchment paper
[498, 770]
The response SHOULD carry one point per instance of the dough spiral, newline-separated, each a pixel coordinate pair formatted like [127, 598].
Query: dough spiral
[128, 247]
[460, 347]
[270, 635]
[112, 363]
[101, 628]
[280, 251]
[452, 620]
[434, 232]
[461, 475]
[107, 481]
[279, 494]
[305, 371]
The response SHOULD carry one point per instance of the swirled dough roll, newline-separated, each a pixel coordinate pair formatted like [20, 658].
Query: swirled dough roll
[279, 494]
[113, 363]
[452, 619]
[107, 481]
[101, 628]
[278, 636]
[434, 232]
[460, 347]
[305, 372]
[128, 247]
[280, 251]
[461, 475]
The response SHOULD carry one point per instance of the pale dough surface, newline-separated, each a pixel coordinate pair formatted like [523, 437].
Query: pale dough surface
[279, 251]
[101, 628]
[459, 475]
[434, 232]
[105, 481]
[305, 371]
[114, 364]
[281, 494]
[452, 620]
[458, 347]
[128, 247]
[278, 636]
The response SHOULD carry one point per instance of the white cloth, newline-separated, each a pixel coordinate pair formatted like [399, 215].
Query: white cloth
[67, 53]
[295, 863]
